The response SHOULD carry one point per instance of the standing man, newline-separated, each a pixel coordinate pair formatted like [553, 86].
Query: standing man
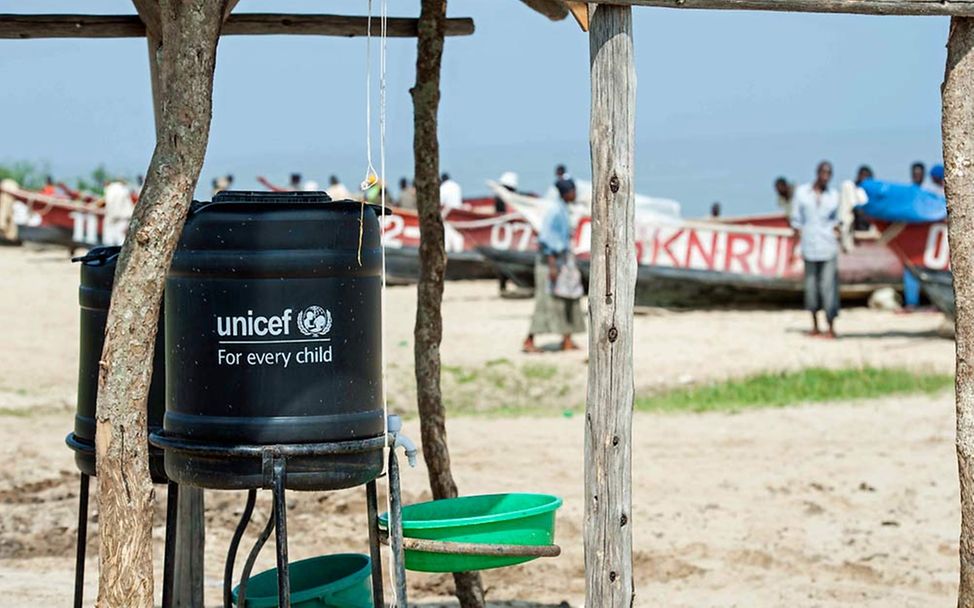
[451, 196]
[8, 223]
[918, 173]
[336, 190]
[507, 181]
[561, 174]
[118, 212]
[407, 195]
[815, 218]
[294, 185]
[785, 192]
[864, 173]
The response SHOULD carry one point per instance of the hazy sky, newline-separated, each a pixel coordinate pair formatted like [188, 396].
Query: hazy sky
[726, 100]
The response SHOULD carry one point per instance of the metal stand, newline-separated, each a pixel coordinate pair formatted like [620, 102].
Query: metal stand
[280, 522]
[395, 530]
[274, 463]
[234, 546]
[169, 563]
[375, 551]
[79, 565]
[81, 552]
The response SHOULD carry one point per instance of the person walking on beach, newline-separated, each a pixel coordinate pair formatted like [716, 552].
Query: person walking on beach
[815, 218]
[557, 307]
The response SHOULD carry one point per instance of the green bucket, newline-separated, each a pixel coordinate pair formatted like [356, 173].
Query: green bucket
[329, 581]
[503, 519]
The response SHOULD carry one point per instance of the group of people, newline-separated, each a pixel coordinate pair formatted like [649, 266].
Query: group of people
[117, 202]
[824, 219]
[451, 195]
[335, 190]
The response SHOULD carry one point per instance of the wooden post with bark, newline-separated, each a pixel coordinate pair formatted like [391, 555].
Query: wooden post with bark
[958, 141]
[612, 284]
[428, 332]
[190, 538]
[190, 31]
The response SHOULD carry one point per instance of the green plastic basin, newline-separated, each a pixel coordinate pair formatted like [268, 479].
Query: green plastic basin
[329, 581]
[506, 519]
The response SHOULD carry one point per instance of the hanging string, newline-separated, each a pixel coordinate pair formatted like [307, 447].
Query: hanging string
[370, 170]
[381, 183]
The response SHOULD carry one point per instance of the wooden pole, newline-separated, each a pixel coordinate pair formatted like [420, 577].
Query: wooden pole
[190, 30]
[190, 522]
[428, 332]
[237, 24]
[958, 125]
[608, 408]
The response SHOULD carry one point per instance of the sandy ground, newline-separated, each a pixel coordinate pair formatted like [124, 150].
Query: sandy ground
[846, 504]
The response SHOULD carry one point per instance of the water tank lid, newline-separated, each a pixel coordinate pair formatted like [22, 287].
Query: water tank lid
[280, 198]
[256, 196]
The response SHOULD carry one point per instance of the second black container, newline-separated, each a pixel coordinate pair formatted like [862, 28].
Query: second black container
[273, 333]
[94, 296]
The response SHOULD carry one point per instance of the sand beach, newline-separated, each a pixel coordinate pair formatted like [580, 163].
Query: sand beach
[834, 504]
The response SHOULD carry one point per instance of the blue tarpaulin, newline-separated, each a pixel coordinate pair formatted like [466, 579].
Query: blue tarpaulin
[905, 203]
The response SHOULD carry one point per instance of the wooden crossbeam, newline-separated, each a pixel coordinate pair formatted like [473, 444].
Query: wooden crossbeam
[237, 24]
[150, 15]
[954, 8]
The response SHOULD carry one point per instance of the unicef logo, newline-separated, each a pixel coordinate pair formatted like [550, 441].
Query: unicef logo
[314, 321]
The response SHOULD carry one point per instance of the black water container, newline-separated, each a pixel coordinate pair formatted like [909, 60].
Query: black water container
[273, 330]
[94, 295]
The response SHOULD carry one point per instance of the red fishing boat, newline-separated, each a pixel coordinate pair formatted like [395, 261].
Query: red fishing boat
[55, 220]
[735, 261]
[466, 232]
[924, 250]
[912, 224]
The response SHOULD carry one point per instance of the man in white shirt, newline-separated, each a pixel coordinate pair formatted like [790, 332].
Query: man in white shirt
[918, 173]
[118, 211]
[815, 218]
[336, 190]
[451, 196]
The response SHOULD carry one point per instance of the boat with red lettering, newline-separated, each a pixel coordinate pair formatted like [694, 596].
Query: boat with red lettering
[685, 263]
[466, 231]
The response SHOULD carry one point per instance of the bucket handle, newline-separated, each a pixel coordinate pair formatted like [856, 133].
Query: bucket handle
[456, 548]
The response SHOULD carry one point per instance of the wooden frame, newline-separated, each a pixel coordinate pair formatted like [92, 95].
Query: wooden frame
[25, 27]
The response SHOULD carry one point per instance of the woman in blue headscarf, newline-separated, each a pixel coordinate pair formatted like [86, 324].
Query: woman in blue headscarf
[553, 314]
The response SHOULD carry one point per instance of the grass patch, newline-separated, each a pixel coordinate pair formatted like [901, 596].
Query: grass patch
[539, 371]
[813, 385]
